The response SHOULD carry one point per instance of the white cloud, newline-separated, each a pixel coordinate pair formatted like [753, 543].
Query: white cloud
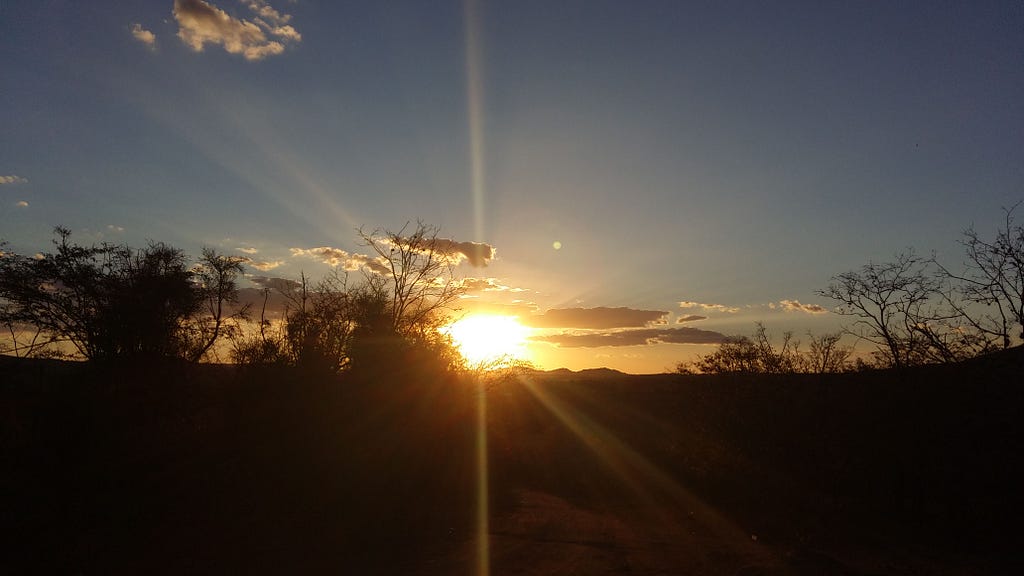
[143, 35]
[248, 250]
[201, 23]
[266, 265]
[335, 257]
[113, 228]
[13, 179]
[21, 204]
[796, 306]
[710, 307]
[325, 254]
[487, 285]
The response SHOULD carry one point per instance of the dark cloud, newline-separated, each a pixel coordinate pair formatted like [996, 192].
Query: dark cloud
[690, 318]
[596, 318]
[477, 253]
[275, 284]
[638, 337]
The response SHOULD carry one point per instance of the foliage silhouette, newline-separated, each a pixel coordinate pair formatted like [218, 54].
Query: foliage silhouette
[113, 301]
[757, 355]
[381, 326]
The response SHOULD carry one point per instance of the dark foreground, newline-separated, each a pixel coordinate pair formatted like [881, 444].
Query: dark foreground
[213, 470]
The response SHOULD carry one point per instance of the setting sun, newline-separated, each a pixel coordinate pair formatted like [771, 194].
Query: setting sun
[484, 338]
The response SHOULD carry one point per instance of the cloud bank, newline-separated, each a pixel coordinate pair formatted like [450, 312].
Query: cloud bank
[278, 284]
[594, 318]
[201, 23]
[13, 179]
[633, 338]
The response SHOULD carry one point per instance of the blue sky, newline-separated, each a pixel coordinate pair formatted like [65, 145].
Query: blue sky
[731, 154]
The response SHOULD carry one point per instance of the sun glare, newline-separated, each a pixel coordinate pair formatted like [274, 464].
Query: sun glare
[483, 338]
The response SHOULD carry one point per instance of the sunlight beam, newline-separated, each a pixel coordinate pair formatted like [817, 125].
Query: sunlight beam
[474, 98]
[483, 539]
[642, 476]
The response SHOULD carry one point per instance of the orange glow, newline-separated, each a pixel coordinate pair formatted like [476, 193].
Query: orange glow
[483, 339]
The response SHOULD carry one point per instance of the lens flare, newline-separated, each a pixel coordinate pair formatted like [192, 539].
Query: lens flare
[484, 339]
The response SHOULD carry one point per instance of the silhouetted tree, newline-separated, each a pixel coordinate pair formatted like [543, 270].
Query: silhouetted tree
[993, 278]
[826, 355]
[406, 296]
[744, 355]
[215, 279]
[112, 301]
[889, 301]
[386, 320]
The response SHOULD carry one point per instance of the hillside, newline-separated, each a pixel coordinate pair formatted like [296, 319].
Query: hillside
[210, 469]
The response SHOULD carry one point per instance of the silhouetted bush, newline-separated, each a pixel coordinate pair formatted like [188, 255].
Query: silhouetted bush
[115, 302]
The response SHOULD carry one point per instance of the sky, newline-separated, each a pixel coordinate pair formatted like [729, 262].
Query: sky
[649, 175]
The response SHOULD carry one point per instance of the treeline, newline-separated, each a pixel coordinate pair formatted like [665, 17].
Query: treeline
[111, 302]
[911, 310]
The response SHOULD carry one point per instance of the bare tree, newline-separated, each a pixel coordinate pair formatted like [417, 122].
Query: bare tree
[744, 355]
[826, 355]
[387, 318]
[890, 301]
[993, 278]
[408, 293]
[414, 273]
[216, 278]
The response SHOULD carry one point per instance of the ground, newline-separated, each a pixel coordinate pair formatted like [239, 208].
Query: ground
[211, 469]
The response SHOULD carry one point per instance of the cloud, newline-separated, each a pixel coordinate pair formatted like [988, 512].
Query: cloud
[272, 20]
[378, 265]
[519, 308]
[13, 179]
[477, 253]
[796, 306]
[201, 23]
[326, 254]
[335, 257]
[709, 307]
[113, 228]
[21, 204]
[487, 285]
[690, 318]
[262, 266]
[278, 284]
[244, 250]
[598, 318]
[143, 35]
[640, 337]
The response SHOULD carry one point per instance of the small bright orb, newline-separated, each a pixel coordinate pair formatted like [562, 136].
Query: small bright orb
[483, 339]
[556, 245]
